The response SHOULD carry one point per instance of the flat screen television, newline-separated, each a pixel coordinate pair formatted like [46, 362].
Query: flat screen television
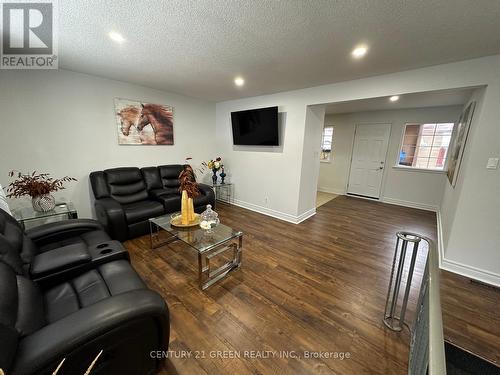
[256, 127]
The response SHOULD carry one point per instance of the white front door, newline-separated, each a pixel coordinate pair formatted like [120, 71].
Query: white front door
[368, 159]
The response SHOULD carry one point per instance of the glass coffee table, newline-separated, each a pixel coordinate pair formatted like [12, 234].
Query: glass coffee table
[208, 245]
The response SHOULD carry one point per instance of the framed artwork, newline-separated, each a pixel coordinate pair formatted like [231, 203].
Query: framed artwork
[141, 123]
[458, 144]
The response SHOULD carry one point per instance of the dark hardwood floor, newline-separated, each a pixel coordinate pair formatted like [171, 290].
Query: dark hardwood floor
[319, 286]
[471, 316]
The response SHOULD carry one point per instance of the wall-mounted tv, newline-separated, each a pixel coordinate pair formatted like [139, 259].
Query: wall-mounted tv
[256, 127]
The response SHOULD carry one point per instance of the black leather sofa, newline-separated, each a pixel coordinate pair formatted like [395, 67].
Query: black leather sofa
[88, 299]
[125, 198]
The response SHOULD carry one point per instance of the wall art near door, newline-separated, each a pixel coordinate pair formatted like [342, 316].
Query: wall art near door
[458, 144]
[141, 123]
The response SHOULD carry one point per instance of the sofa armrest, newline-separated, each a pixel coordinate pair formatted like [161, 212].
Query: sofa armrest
[209, 192]
[110, 214]
[52, 232]
[59, 259]
[91, 326]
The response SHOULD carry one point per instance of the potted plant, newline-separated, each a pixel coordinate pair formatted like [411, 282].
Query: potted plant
[38, 186]
[215, 165]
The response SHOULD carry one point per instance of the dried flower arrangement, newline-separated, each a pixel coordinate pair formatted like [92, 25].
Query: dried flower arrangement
[35, 184]
[188, 182]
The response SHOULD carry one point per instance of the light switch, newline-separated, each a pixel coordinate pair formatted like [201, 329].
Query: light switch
[492, 163]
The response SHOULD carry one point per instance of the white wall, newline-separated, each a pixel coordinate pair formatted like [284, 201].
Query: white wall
[315, 119]
[266, 178]
[415, 188]
[477, 211]
[63, 123]
[470, 212]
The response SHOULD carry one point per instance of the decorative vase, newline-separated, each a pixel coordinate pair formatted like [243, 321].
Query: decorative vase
[43, 203]
[222, 176]
[214, 176]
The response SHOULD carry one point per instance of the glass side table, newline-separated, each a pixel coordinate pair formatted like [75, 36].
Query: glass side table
[27, 214]
[223, 192]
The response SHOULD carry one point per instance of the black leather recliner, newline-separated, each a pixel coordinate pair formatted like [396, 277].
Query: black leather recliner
[51, 248]
[125, 198]
[108, 308]
[77, 307]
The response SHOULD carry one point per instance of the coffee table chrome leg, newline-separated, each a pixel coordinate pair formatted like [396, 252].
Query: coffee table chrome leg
[208, 277]
[203, 270]
[239, 255]
[157, 243]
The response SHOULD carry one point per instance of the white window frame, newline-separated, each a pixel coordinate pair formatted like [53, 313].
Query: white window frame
[426, 170]
[329, 160]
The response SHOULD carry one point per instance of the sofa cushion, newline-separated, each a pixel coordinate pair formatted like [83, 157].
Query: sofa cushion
[171, 202]
[158, 193]
[140, 211]
[126, 185]
[30, 312]
[151, 177]
[89, 288]
[170, 175]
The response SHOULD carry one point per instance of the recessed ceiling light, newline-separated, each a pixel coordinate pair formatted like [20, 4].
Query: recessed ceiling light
[359, 52]
[239, 81]
[394, 98]
[117, 37]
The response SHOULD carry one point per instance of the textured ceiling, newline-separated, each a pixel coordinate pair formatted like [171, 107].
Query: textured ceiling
[416, 100]
[197, 47]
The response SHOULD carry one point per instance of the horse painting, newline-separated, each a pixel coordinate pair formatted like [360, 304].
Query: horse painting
[128, 117]
[133, 124]
[161, 120]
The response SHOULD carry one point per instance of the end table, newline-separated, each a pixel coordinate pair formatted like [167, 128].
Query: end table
[27, 214]
[223, 192]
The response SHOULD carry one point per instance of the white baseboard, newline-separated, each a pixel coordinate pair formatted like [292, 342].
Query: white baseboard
[276, 214]
[400, 202]
[306, 215]
[470, 272]
[331, 191]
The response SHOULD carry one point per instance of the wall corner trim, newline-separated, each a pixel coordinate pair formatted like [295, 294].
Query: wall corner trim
[331, 191]
[470, 272]
[274, 213]
[400, 202]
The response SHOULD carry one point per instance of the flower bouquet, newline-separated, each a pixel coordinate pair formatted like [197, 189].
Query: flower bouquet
[215, 165]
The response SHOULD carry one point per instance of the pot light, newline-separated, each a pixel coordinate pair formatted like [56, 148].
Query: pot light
[394, 98]
[117, 37]
[359, 52]
[239, 81]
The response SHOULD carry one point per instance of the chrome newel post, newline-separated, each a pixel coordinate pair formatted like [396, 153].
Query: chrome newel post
[392, 319]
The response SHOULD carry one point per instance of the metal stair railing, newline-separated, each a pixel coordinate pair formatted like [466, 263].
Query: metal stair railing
[427, 341]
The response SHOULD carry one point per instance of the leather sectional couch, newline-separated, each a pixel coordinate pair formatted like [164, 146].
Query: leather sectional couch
[125, 198]
[68, 291]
